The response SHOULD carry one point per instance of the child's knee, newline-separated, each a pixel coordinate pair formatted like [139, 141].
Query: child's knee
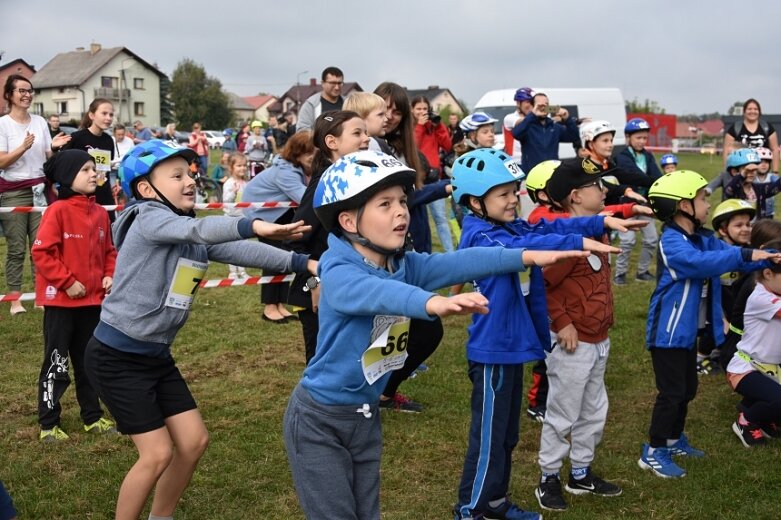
[195, 446]
[157, 459]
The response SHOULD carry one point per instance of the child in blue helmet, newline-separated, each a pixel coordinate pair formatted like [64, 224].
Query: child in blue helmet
[163, 253]
[371, 287]
[517, 330]
[744, 184]
[669, 163]
[686, 300]
[726, 177]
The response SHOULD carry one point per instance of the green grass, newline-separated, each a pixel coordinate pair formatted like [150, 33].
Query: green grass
[241, 371]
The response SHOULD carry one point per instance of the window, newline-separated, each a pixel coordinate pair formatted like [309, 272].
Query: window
[109, 82]
[62, 107]
[38, 108]
[138, 83]
[138, 109]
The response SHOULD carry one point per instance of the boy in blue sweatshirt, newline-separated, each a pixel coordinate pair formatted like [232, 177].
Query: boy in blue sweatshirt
[163, 253]
[691, 259]
[371, 287]
[516, 331]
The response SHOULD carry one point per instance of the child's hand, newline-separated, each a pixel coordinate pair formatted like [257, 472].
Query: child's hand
[589, 244]
[107, 283]
[639, 209]
[466, 303]
[620, 224]
[543, 258]
[76, 290]
[758, 255]
[315, 298]
[567, 338]
[632, 194]
[273, 231]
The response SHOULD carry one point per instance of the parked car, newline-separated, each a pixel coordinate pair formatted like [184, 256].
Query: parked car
[709, 149]
[68, 129]
[215, 138]
[182, 137]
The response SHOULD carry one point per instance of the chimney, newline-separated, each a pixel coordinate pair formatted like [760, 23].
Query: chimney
[312, 82]
[433, 87]
[94, 48]
[79, 49]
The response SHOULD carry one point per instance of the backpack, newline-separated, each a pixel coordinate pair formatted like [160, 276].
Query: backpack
[737, 125]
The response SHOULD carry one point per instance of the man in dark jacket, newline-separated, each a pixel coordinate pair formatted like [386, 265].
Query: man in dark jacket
[540, 135]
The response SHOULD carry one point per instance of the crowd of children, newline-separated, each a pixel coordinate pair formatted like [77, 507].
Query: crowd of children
[372, 314]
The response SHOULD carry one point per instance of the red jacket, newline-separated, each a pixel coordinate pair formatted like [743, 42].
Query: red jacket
[430, 139]
[73, 243]
[544, 212]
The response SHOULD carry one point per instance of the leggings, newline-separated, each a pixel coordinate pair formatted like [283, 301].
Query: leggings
[424, 338]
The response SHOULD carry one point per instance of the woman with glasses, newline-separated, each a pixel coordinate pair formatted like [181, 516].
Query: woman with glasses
[25, 144]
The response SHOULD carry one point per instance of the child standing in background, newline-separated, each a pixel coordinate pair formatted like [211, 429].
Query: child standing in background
[231, 192]
[75, 258]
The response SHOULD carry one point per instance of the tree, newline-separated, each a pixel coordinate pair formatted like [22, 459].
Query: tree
[647, 107]
[166, 105]
[198, 97]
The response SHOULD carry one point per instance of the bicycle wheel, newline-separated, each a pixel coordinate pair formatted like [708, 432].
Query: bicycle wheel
[211, 189]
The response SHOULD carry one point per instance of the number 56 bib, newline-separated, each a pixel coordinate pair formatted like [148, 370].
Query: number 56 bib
[388, 351]
[187, 277]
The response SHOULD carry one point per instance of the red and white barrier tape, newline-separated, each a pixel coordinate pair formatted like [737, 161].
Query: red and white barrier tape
[207, 284]
[202, 205]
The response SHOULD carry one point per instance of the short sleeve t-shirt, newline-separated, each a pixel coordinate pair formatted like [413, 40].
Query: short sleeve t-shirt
[756, 139]
[30, 164]
[327, 106]
[761, 333]
[85, 140]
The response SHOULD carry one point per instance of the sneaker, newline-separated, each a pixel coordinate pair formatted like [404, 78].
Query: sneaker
[645, 277]
[102, 425]
[549, 496]
[422, 369]
[750, 434]
[660, 462]
[536, 413]
[682, 447]
[704, 367]
[620, 279]
[770, 431]
[457, 515]
[401, 403]
[509, 511]
[54, 435]
[592, 484]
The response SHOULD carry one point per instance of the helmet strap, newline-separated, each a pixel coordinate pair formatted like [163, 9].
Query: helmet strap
[167, 202]
[358, 238]
[484, 213]
[690, 216]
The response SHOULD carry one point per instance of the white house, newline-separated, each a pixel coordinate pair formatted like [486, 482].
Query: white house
[69, 82]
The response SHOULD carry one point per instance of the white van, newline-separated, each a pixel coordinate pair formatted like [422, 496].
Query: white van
[596, 103]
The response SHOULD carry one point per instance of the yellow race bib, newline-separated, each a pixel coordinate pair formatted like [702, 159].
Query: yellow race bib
[187, 277]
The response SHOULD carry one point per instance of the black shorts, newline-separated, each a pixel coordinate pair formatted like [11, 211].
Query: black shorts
[139, 391]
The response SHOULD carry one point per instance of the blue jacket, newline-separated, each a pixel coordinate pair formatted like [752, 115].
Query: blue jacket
[626, 161]
[356, 295]
[517, 328]
[419, 228]
[282, 182]
[540, 138]
[686, 263]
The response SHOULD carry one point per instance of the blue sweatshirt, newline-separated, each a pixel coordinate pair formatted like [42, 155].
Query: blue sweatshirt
[357, 294]
[627, 161]
[517, 329]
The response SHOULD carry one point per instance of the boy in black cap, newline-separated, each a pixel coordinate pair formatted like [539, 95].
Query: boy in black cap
[74, 266]
[580, 307]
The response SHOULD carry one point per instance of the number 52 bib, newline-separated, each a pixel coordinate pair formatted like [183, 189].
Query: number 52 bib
[388, 351]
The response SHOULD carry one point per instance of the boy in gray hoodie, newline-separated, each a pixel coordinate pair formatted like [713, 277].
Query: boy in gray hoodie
[163, 253]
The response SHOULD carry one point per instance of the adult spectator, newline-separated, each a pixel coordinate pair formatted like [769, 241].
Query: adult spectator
[169, 134]
[242, 136]
[523, 105]
[25, 144]
[276, 134]
[122, 145]
[200, 145]
[54, 125]
[284, 181]
[292, 120]
[328, 100]
[752, 132]
[142, 133]
[431, 136]
[540, 135]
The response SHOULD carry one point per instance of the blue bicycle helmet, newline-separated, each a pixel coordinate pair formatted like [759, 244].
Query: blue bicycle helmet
[524, 94]
[476, 172]
[141, 159]
[636, 124]
[668, 158]
[742, 157]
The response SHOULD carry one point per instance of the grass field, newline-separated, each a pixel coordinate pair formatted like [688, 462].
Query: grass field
[241, 370]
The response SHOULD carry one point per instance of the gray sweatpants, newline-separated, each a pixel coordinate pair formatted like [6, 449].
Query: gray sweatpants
[627, 243]
[334, 454]
[577, 405]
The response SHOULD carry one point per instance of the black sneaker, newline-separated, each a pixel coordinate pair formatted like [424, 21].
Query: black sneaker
[592, 484]
[750, 434]
[401, 403]
[549, 495]
[536, 413]
[645, 277]
[620, 279]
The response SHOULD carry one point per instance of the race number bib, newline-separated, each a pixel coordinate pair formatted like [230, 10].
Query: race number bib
[389, 350]
[102, 159]
[187, 277]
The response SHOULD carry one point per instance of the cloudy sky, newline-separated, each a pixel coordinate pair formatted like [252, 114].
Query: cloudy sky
[689, 56]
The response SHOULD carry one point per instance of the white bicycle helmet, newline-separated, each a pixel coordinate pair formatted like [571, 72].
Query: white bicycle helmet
[475, 120]
[593, 129]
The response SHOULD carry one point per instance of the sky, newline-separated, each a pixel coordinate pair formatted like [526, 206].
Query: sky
[690, 56]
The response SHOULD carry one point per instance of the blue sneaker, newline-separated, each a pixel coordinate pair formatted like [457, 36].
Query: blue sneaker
[660, 462]
[457, 515]
[682, 447]
[509, 511]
